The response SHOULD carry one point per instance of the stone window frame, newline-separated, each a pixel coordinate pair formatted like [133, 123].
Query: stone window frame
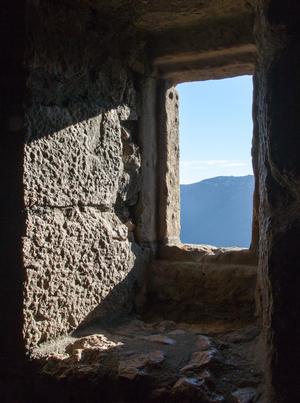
[170, 246]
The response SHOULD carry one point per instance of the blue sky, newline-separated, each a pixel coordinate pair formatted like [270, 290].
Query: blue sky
[215, 128]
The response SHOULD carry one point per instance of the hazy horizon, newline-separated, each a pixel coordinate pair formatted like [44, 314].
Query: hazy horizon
[218, 176]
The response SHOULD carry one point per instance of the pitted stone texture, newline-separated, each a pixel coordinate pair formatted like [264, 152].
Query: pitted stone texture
[81, 175]
[81, 163]
[130, 180]
[74, 258]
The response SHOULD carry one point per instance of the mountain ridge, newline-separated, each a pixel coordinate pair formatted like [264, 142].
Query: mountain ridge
[217, 211]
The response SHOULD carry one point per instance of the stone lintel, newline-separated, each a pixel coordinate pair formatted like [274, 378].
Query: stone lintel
[216, 64]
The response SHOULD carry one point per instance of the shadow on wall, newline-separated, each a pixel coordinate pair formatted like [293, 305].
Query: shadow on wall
[72, 181]
[124, 298]
[115, 308]
[82, 181]
[81, 188]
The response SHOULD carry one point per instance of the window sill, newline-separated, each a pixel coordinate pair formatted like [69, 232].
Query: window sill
[207, 254]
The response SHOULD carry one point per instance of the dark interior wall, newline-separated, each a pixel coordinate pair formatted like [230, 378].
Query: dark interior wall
[82, 113]
[279, 168]
[12, 92]
[82, 168]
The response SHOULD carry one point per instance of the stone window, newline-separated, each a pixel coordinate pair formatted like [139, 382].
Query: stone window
[216, 174]
[168, 178]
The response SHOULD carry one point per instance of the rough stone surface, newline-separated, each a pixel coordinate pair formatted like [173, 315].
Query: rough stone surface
[208, 254]
[82, 176]
[201, 291]
[132, 356]
[146, 214]
[80, 171]
[278, 102]
[80, 164]
[74, 258]
[201, 360]
[169, 194]
[174, 14]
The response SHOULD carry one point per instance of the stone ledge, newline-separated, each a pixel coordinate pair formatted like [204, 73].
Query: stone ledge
[207, 254]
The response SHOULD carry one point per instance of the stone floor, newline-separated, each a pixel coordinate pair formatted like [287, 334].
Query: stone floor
[161, 361]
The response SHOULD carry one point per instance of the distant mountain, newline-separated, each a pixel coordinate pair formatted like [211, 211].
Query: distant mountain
[217, 211]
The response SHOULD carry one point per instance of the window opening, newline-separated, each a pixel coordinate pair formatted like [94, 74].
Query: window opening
[216, 176]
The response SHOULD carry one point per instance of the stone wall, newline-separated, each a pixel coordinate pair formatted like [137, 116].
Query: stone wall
[82, 170]
[279, 170]
[79, 171]
[202, 284]
[169, 187]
